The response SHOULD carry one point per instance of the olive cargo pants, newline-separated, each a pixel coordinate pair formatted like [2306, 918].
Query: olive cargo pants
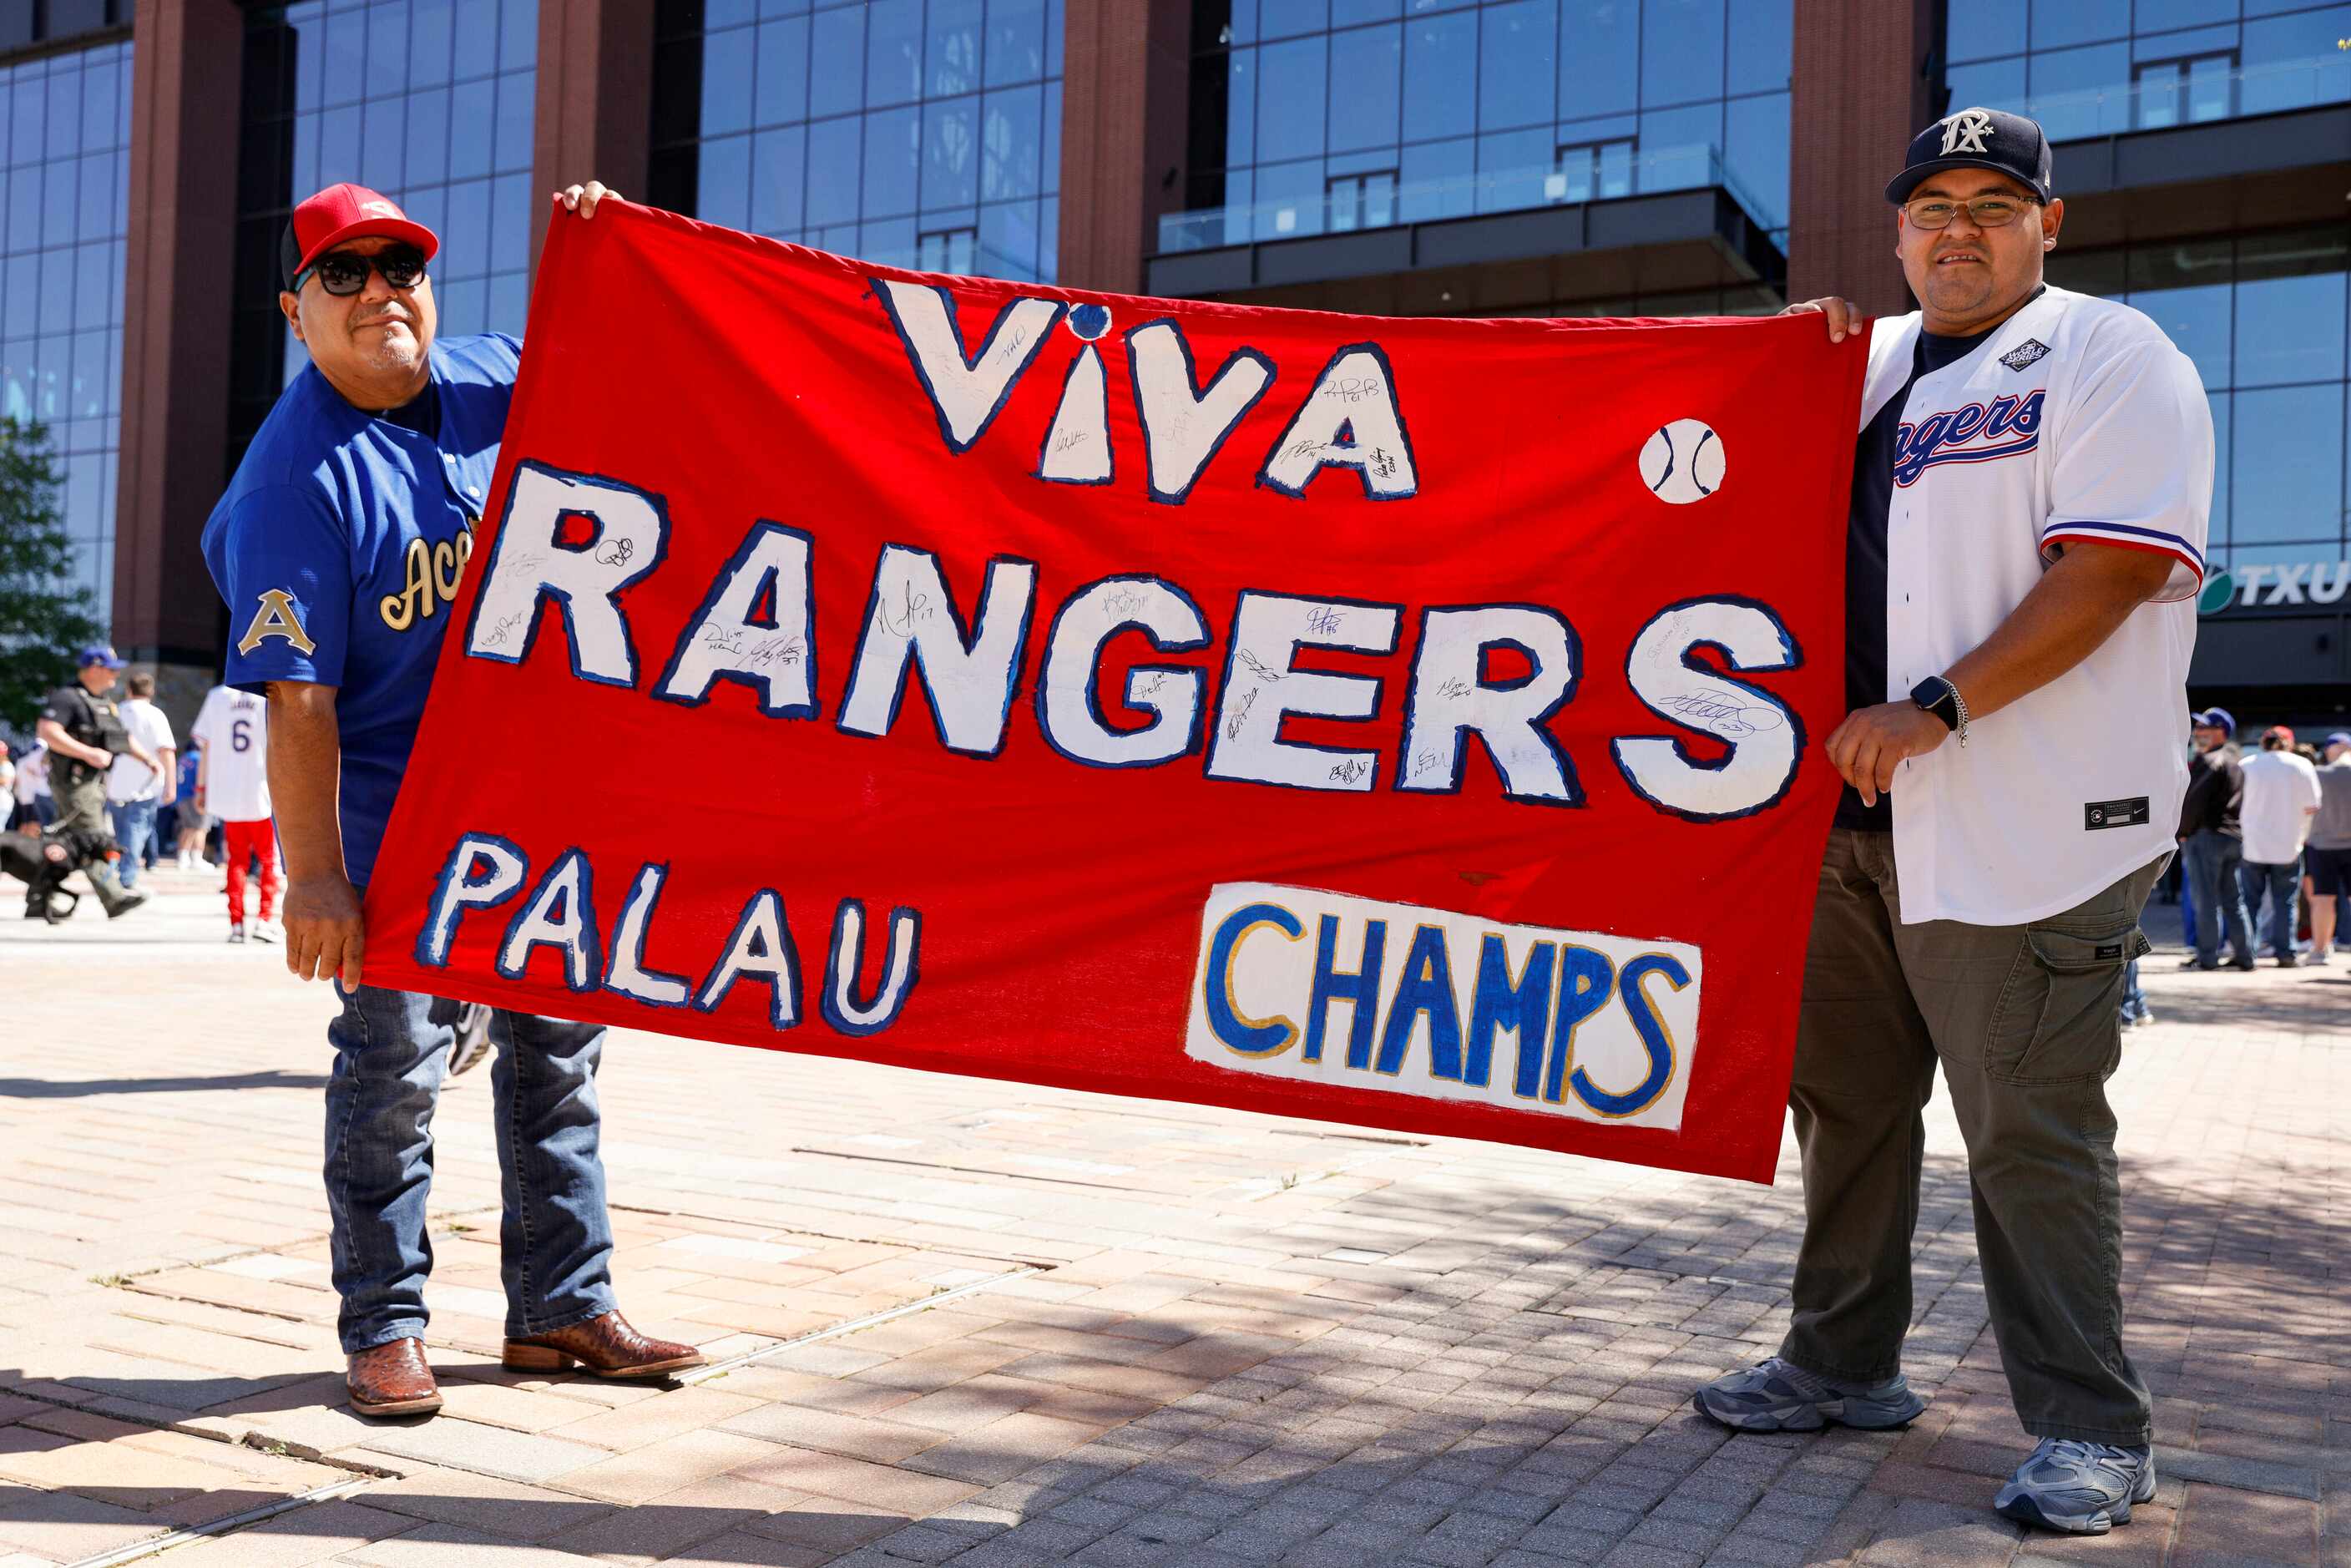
[2025, 1023]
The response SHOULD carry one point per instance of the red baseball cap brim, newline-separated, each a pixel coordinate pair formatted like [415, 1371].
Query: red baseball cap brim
[340, 214]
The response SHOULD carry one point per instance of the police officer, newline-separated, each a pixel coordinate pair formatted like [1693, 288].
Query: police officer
[82, 726]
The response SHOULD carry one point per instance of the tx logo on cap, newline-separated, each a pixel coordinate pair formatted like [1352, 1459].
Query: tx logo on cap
[1965, 131]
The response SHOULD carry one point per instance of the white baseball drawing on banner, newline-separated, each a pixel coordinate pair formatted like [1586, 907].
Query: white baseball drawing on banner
[1682, 462]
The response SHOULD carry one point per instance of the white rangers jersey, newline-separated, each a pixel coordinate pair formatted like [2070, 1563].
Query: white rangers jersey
[2076, 420]
[232, 728]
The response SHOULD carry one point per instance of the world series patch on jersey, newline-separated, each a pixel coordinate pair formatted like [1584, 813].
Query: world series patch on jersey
[1414, 722]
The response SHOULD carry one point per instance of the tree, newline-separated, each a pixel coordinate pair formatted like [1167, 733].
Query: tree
[44, 618]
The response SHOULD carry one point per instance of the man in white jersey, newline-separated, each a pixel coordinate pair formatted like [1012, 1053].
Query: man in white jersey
[2025, 544]
[232, 784]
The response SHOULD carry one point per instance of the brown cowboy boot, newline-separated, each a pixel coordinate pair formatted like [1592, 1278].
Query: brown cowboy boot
[605, 1346]
[392, 1380]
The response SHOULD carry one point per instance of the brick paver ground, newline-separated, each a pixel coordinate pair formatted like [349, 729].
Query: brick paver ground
[1134, 1333]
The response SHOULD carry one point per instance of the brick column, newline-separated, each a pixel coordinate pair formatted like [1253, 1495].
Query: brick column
[186, 57]
[594, 113]
[1125, 80]
[1859, 94]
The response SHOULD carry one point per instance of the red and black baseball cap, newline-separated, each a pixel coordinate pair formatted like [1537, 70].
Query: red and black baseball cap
[340, 213]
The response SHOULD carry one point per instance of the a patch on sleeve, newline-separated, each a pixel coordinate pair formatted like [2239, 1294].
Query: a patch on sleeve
[276, 618]
[2025, 354]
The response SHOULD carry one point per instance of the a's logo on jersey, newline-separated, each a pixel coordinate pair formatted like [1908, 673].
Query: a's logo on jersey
[276, 618]
[1965, 131]
[1979, 432]
[2028, 353]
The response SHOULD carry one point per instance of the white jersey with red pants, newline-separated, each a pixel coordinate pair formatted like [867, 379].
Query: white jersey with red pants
[232, 728]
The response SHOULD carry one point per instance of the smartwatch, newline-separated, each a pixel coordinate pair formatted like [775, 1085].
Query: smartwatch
[1939, 696]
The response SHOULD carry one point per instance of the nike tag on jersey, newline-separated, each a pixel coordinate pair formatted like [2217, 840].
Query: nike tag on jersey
[2025, 354]
[2130, 813]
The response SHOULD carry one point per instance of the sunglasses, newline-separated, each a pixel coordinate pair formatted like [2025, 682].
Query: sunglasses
[1984, 211]
[344, 272]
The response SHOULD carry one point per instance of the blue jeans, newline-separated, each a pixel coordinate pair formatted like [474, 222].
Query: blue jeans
[134, 832]
[2284, 884]
[2133, 993]
[555, 1241]
[2212, 858]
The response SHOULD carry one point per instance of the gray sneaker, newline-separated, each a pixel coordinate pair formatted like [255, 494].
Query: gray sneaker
[2083, 1488]
[1779, 1397]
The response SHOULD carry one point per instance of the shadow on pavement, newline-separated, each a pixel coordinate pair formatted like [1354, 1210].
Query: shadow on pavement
[52, 1089]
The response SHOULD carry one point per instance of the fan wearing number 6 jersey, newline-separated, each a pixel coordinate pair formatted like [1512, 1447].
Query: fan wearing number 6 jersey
[232, 784]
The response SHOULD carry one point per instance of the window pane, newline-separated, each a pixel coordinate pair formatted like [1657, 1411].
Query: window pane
[1677, 148]
[950, 154]
[2291, 62]
[832, 162]
[2079, 22]
[1288, 19]
[2000, 85]
[1440, 77]
[726, 62]
[723, 185]
[1513, 166]
[2288, 470]
[1438, 181]
[1009, 144]
[387, 47]
[2081, 92]
[837, 60]
[1015, 41]
[893, 51]
[1762, 44]
[1516, 70]
[776, 158]
[515, 106]
[1755, 154]
[1681, 50]
[951, 50]
[1366, 61]
[2290, 311]
[782, 71]
[1599, 49]
[1290, 196]
[1290, 104]
[430, 30]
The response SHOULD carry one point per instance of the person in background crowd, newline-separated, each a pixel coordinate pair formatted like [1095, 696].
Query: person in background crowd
[189, 819]
[2137, 1014]
[34, 806]
[2213, 843]
[2327, 857]
[2281, 797]
[232, 733]
[83, 727]
[7, 786]
[134, 791]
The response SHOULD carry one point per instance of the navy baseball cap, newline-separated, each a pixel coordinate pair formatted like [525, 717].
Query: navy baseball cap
[2216, 718]
[1978, 139]
[2340, 738]
[97, 654]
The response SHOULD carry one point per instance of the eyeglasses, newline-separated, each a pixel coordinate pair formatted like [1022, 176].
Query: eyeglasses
[1984, 211]
[343, 273]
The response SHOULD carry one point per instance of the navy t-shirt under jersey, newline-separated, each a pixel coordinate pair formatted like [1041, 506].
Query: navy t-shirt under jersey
[1864, 556]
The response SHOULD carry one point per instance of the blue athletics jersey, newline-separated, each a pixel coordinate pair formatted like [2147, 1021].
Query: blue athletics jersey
[339, 546]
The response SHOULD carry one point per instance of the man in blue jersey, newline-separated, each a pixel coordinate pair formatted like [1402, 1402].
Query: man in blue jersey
[338, 546]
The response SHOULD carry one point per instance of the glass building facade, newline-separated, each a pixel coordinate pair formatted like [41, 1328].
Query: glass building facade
[65, 182]
[2264, 316]
[1315, 116]
[2092, 68]
[429, 101]
[913, 133]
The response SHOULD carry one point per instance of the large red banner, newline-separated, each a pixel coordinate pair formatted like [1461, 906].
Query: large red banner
[1408, 723]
